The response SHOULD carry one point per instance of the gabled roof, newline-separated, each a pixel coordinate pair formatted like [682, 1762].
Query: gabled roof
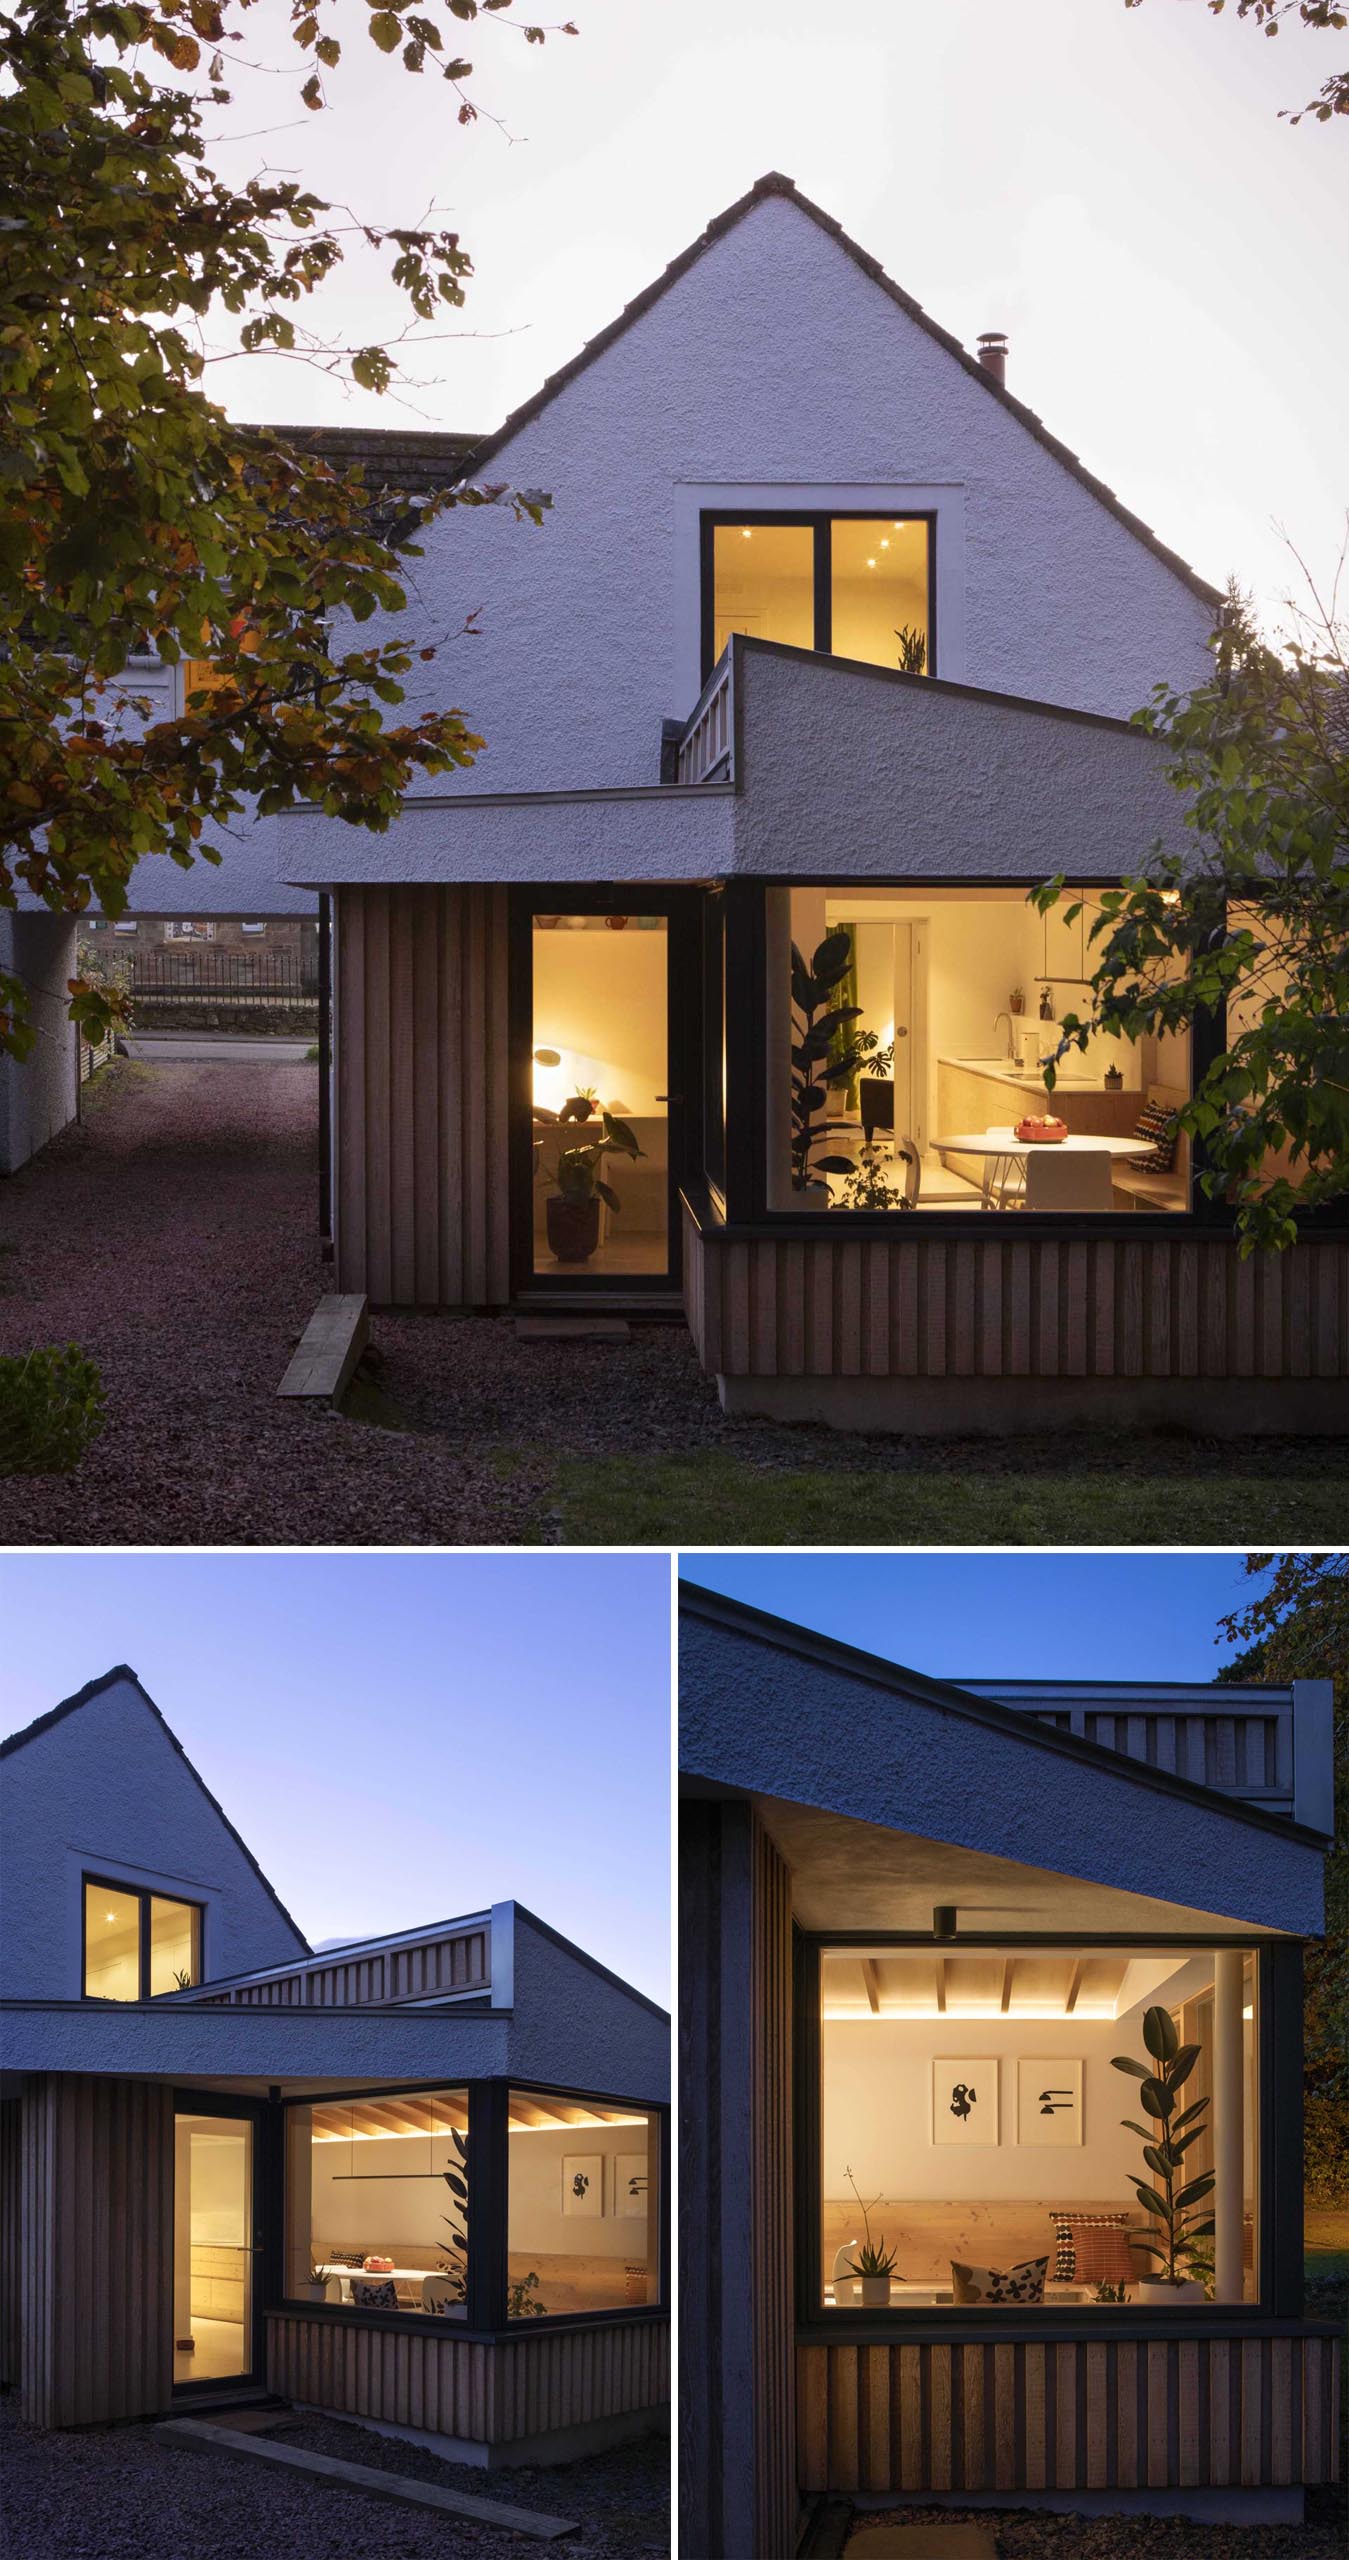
[122, 1672]
[774, 184]
[741, 1618]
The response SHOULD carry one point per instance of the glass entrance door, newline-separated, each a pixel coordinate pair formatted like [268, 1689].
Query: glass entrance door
[605, 1102]
[215, 2248]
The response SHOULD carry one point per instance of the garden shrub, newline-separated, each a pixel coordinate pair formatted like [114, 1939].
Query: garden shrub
[51, 1407]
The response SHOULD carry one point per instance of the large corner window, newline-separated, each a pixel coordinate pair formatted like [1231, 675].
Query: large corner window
[377, 2193]
[981, 2145]
[136, 1944]
[908, 1030]
[859, 587]
[584, 2205]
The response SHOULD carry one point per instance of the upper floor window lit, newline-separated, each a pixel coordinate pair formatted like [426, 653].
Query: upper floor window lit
[857, 587]
[137, 1945]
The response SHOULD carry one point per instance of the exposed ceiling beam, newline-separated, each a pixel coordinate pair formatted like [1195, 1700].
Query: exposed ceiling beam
[941, 1986]
[1005, 2000]
[873, 1984]
[1074, 1986]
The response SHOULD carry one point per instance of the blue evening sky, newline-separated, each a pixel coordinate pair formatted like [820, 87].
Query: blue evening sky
[397, 1737]
[1064, 1617]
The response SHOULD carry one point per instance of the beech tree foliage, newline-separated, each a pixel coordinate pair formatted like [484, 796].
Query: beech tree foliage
[1250, 925]
[135, 518]
[1332, 99]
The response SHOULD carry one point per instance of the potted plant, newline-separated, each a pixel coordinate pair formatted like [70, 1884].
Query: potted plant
[317, 2287]
[455, 2264]
[573, 1210]
[580, 1105]
[817, 1023]
[873, 2264]
[522, 2298]
[912, 650]
[1176, 2209]
[869, 1185]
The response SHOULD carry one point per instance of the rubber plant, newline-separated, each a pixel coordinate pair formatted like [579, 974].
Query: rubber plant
[818, 1059]
[456, 2179]
[1174, 2203]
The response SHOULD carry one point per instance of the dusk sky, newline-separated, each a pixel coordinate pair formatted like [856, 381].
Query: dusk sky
[985, 1617]
[1111, 186]
[398, 1738]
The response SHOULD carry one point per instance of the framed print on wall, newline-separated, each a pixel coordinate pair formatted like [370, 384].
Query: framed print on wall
[1048, 2104]
[964, 2103]
[583, 2183]
[630, 2185]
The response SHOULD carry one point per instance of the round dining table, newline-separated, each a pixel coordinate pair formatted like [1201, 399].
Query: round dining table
[1004, 1154]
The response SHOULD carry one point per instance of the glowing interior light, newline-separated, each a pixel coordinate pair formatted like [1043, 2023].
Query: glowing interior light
[747, 533]
[885, 542]
[871, 564]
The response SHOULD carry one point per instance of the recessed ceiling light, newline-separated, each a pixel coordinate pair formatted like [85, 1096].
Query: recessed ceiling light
[871, 564]
[885, 542]
[747, 533]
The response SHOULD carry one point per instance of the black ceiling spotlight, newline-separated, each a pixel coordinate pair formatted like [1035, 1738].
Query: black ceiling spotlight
[944, 1920]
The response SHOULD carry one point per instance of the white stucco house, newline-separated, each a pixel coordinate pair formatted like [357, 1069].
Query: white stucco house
[418, 2180]
[951, 1953]
[824, 641]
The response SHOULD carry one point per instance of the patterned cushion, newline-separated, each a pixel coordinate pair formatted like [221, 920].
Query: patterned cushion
[1025, 2283]
[1158, 1126]
[1093, 2248]
[374, 2297]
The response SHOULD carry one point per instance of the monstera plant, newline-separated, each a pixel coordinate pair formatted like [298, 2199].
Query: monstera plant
[1174, 2203]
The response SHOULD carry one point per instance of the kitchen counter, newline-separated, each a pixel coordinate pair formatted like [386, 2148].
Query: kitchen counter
[984, 1093]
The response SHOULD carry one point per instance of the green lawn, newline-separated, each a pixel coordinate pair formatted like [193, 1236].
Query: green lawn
[718, 1500]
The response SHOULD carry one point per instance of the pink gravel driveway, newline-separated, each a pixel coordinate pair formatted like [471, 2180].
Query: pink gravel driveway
[173, 1236]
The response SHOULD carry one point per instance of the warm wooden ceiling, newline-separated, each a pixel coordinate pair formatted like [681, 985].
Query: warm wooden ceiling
[446, 2110]
[981, 1982]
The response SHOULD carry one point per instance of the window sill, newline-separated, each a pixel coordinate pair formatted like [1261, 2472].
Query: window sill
[420, 2324]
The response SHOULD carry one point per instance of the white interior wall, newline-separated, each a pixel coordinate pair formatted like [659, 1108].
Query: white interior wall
[537, 2221]
[219, 2201]
[398, 2196]
[600, 997]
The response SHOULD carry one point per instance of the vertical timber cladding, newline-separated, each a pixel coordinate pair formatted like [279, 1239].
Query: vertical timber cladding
[1153, 2413]
[422, 1180]
[11, 2251]
[481, 2391]
[738, 2488]
[97, 2250]
[1017, 1306]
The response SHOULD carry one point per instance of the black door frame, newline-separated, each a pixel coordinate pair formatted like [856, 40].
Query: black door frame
[265, 2196]
[680, 908]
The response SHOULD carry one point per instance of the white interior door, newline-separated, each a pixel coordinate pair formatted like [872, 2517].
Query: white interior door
[904, 1041]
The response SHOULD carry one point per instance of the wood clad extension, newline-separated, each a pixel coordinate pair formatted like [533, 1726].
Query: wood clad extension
[96, 2259]
[1255, 2411]
[417, 1970]
[421, 1184]
[489, 2393]
[1015, 1306]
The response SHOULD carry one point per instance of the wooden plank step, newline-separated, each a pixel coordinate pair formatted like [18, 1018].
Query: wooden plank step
[328, 1349]
[572, 1329]
[361, 2475]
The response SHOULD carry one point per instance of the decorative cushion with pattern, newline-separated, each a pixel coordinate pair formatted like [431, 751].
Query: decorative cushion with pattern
[1024, 2283]
[1158, 1126]
[1093, 2248]
[374, 2297]
[344, 2257]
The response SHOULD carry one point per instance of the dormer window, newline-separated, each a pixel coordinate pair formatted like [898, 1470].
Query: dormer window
[853, 586]
[138, 1944]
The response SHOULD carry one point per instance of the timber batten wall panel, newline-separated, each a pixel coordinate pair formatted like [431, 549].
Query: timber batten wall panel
[420, 997]
[489, 2392]
[1174, 2413]
[1010, 1306]
[97, 2252]
[428, 1968]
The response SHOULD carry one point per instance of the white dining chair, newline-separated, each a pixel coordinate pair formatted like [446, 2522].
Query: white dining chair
[1078, 1181]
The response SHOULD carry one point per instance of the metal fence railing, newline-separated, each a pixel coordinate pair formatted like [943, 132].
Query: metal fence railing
[234, 977]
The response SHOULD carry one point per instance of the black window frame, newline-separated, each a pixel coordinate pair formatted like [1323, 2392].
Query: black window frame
[1279, 2288]
[820, 521]
[145, 1895]
[746, 1209]
[488, 2214]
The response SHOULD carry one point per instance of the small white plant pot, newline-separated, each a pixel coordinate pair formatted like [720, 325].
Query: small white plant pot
[875, 2292]
[1152, 2289]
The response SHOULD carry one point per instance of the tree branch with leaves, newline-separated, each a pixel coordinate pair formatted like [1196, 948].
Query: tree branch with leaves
[137, 518]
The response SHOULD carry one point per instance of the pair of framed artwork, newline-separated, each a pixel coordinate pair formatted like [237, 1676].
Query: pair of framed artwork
[966, 2109]
[591, 2185]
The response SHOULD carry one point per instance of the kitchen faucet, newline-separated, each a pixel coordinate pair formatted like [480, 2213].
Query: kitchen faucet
[1011, 1044]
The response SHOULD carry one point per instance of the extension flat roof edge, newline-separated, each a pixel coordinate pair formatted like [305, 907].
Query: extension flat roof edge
[763, 1627]
[93, 1689]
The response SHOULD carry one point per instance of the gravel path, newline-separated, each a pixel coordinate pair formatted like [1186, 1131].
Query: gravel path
[172, 1235]
[1027, 2536]
[125, 2493]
